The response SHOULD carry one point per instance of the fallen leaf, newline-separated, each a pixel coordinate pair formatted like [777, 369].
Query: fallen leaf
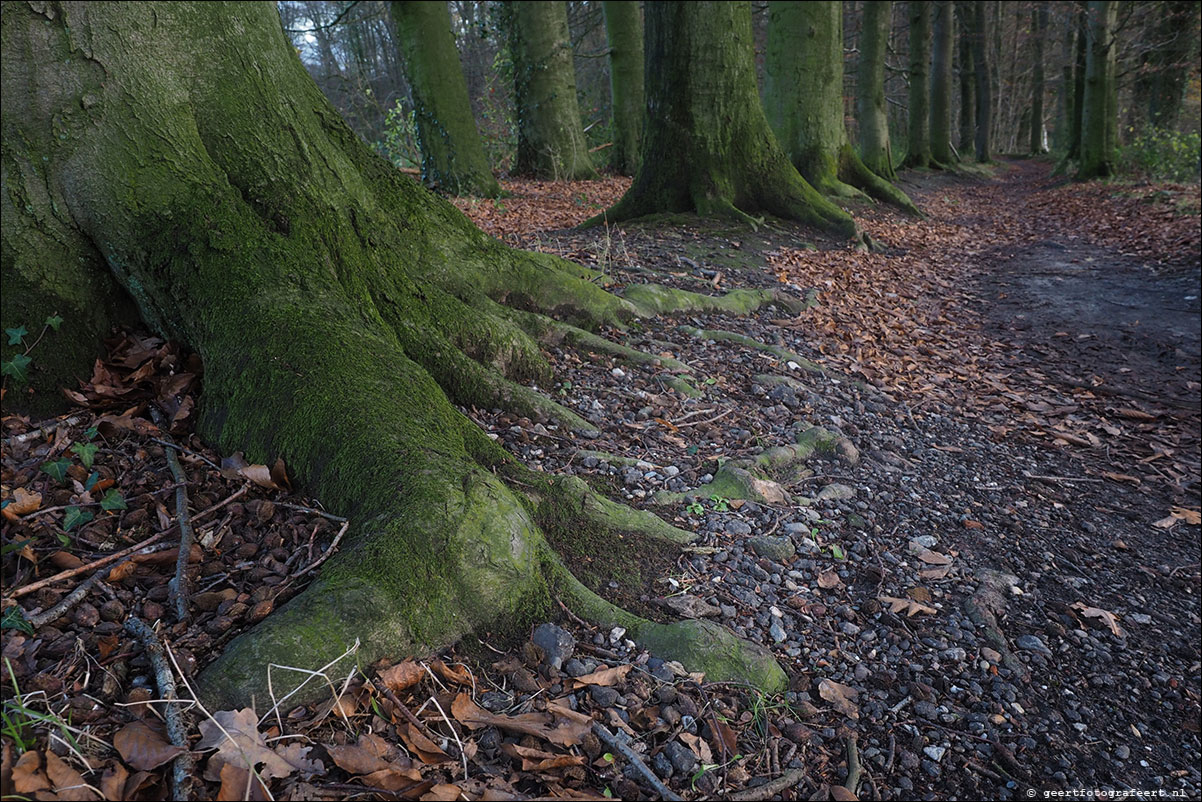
[112, 782]
[1121, 477]
[425, 749]
[370, 753]
[23, 502]
[1134, 414]
[919, 594]
[605, 676]
[699, 747]
[143, 747]
[938, 572]
[235, 466]
[68, 783]
[539, 725]
[968, 524]
[402, 676]
[1107, 617]
[28, 777]
[840, 696]
[934, 558]
[829, 579]
[538, 760]
[235, 735]
[238, 784]
[910, 606]
[456, 674]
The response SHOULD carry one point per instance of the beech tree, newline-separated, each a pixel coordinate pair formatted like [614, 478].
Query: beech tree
[871, 105]
[551, 141]
[943, 26]
[979, 45]
[1099, 113]
[188, 169]
[803, 95]
[1039, 26]
[1168, 58]
[624, 35]
[968, 79]
[452, 155]
[706, 144]
[918, 145]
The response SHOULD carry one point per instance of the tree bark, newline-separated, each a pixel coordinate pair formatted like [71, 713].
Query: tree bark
[341, 312]
[803, 97]
[943, 24]
[452, 155]
[1098, 112]
[1165, 66]
[707, 146]
[551, 141]
[871, 107]
[1039, 25]
[981, 68]
[918, 146]
[624, 34]
[968, 80]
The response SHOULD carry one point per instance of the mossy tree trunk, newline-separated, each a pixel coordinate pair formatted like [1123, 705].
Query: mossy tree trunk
[624, 35]
[871, 107]
[707, 146]
[1098, 112]
[803, 95]
[918, 145]
[340, 309]
[979, 42]
[1039, 26]
[968, 80]
[943, 27]
[551, 141]
[452, 155]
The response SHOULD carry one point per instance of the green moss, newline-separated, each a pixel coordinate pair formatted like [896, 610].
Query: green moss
[656, 299]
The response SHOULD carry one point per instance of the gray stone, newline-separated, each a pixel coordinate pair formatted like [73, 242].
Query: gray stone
[1032, 643]
[777, 631]
[1122, 752]
[836, 492]
[935, 753]
[737, 527]
[603, 696]
[557, 644]
[777, 549]
[661, 765]
[681, 757]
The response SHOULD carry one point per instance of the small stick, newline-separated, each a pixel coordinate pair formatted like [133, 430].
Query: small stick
[636, 762]
[325, 555]
[187, 451]
[182, 768]
[853, 764]
[1060, 478]
[404, 710]
[117, 555]
[313, 510]
[67, 602]
[178, 588]
[17, 439]
[770, 788]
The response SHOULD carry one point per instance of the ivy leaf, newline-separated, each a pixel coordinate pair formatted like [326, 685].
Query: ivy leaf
[14, 618]
[17, 367]
[15, 336]
[113, 500]
[93, 478]
[76, 517]
[57, 469]
[54, 321]
[91, 432]
[86, 453]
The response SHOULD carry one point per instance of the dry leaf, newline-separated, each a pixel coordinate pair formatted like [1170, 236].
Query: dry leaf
[23, 502]
[829, 579]
[1134, 414]
[700, 748]
[841, 794]
[28, 777]
[402, 676]
[605, 676]
[919, 594]
[238, 784]
[112, 782]
[69, 784]
[1190, 516]
[938, 572]
[235, 466]
[1107, 617]
[396, 780]
[840, 696]
[1122, 477]
[910, 606]
[426, 750]
[539, 725]
[538, 760]
[143, 747]
[934, 558]
[235, 734]
[456, 674]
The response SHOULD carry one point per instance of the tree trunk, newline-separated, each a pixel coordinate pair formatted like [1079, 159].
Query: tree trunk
[340, 310]
[707, 146]
[871, 107]
[980, 58]
[1039, 23]
[968, 80]
[1166, 65]
[624, 34]
[918, 147]
[452, 157]
[1098, 113]
[551, 141]
[803, 96]
[943, 23]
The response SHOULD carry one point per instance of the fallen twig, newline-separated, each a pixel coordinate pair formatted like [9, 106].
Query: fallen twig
[769, 789]
[325, 555]
[67, 602]
[17, 439]
[177, 588]
[854, 770]
[636, 762]
[313, 510]
[183, 766]
[1070, 479]
[117, 555]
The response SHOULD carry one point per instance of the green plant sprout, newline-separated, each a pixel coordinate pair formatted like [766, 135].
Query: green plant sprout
[720, 503]
[18, 366]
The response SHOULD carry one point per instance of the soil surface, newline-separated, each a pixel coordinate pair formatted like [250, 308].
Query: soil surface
[990, 588]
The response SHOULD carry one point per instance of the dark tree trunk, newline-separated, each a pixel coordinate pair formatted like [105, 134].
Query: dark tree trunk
[918, 146]
[1099, 114]
[1039, 25]
[803, 96]
[1166, 64]
[984, 97]
[968, 80]
[943, 24]
[624, 34]
[551, 141]
[452, 156]
[707, 146]
[341, 312]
